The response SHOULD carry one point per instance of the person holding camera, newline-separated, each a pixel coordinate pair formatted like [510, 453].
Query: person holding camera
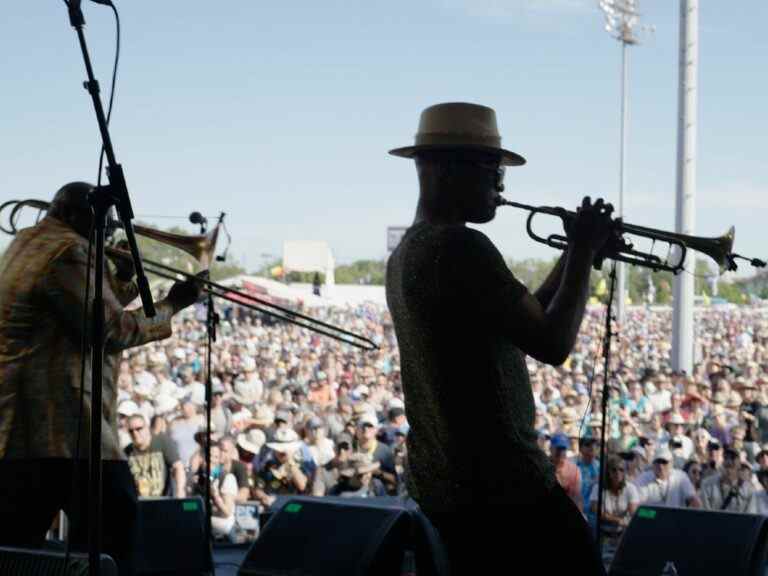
[727, 490]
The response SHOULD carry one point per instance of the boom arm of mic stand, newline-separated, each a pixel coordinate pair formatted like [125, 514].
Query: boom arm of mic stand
[114, 170]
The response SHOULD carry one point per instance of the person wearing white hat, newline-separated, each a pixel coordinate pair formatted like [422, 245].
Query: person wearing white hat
[474, 319]
[664, 485]
[285, 471]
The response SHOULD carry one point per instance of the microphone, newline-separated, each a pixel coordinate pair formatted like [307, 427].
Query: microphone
[196, 217]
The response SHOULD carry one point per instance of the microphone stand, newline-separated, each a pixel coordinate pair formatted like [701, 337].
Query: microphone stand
[604, 408]
[211, 321]
[102, 199]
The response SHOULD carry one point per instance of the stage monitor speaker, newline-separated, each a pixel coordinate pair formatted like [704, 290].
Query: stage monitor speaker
[662, 541]
[28, 562]
[331, 537]
[171, 538]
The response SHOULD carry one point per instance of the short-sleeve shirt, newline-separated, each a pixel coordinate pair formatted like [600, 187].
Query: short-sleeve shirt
[151, 467]
[617, 504]
[452, 298]
[674, 492]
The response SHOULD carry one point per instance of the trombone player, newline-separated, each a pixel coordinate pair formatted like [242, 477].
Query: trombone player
[464, 324]
[42, 302]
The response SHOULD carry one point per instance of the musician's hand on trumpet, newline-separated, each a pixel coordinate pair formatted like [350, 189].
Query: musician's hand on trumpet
[184, 293]
[592, 227]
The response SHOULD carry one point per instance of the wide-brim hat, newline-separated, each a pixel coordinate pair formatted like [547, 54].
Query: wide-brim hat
[252, 440]
[459, 126]
[286, 441]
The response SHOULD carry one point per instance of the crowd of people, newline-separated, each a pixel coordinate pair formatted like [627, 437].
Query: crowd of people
[299, 413]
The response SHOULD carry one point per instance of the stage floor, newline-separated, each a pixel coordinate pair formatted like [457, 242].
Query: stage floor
[227, 560]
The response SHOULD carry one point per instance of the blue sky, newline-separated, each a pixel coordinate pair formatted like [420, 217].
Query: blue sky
[281, 113]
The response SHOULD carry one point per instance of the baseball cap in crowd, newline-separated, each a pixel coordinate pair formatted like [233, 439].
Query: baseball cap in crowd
[127, 408]
[396, 403]
[217, 387]
[344, 438]
[560, 441]
[395, 412]
[585, 441]
[283, 416]
[314, 423]
[662, 453]
[252, 440]
[368, 418]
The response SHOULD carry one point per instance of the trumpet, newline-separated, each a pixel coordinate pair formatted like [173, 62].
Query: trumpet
[201, 247]
[621, 249]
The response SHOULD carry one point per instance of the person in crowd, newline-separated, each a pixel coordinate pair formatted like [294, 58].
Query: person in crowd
[448, 344]
[727, 490]
[665, 485]
[366, 443]
[759, 502]
[285, 472]
[223, 496]
[327, 476]
[154, 461]
[693, 469]
[714, 461]
[221, 415]
[356, 479]
[319, 445]
[184, 428]
[589, 471]
[620, 499]
[43, 275]
[568, 474]
[396, 422]
[231, 464]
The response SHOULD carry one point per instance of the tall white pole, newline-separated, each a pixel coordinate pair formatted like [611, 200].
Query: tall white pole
[682, 317]
[621, 295]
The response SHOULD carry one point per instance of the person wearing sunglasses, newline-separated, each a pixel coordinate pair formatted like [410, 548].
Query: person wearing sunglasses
[464, 322]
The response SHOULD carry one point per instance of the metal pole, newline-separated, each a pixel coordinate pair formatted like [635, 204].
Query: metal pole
[682, 317]
[620, 268]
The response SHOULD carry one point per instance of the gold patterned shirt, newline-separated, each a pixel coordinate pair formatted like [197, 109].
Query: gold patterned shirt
[42, 301]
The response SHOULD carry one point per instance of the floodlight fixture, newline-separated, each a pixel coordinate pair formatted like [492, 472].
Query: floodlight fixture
[621, 17]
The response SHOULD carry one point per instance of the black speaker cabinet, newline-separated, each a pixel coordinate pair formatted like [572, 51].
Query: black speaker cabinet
[331, 537]
[26, 562]
[171, 538]
[672, 541]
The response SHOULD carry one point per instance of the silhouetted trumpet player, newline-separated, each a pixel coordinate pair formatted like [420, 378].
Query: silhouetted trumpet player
[464, 324]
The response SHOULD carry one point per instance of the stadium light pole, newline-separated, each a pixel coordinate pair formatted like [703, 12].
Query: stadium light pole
[621, 18]
[687, 112]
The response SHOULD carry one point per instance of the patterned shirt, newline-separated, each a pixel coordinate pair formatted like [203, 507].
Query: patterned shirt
[42, 285]
[467, 393]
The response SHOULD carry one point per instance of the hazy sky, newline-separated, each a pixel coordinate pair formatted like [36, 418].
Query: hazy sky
[281, 113]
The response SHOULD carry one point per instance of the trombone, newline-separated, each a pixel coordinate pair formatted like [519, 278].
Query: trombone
[201, 247]
[621, 249]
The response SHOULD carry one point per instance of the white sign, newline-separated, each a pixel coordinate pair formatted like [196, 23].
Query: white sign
[394, 235]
